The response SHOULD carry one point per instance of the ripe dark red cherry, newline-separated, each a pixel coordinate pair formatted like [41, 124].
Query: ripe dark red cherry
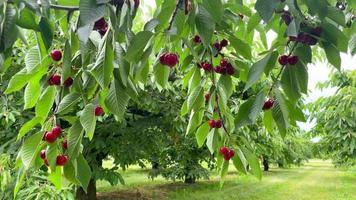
[218, 123]
[68, 82]
[224, 62]
[218, 46]
[137, 3]
[230, 70]
[207, 98]
[224, 42]
[212, 123]
[56, 55]
[231, 153]
[99, 111]
[286, 17]
[56, 131]
[283, 60]
[100, 24]
[50, 137]
[197, 39]
[224, 150]
[61, 160]
[65, 144]
[207, 66]
[169, 59]
[55, 79]
[268, 104]
[292, 60]
[43, 154]
[46, 162]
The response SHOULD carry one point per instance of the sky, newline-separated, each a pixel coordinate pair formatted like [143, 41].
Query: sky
[318, 72]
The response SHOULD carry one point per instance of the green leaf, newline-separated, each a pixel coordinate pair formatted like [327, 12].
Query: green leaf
[332, 54]
[336, 15]
[211, 141]
[88, 120]
[165, 14]
[280, 113]
[268, 120]
[202, 133]
[223, 172]
[30, 149]
[204, 25]
[253, 22]
[69, 172]
[75, 135]
[18, 81]
[215, 8]
[9, 29]
[26, 127]
[294, 81]
[51, 155]
[67, 62]
[266, 8]
[317, 7]
[103, 68]
[304, 53]
[195, 120]
[335, 36]
[46, 32]
[56, 177]
[137, 45]
[196, 99]
[67, 102]
[27, 20]
[161, 74]
[263, 65]
[20, 176]
[239, 161]
[249, 110]
[90, 11]
[117, 99]
[83, 172]
[45, 102]
[32, 93]
[241, 47]
[253, 162]
[352, 45]
[225, 83]
[33, 61]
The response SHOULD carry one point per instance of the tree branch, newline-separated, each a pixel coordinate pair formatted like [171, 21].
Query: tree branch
[174, 14]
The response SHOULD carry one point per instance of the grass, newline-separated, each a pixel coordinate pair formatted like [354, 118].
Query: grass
[316, 180]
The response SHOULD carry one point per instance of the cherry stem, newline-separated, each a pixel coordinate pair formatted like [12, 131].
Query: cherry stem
[282, 68]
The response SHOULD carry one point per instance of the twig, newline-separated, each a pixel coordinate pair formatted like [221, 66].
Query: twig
[174, 15]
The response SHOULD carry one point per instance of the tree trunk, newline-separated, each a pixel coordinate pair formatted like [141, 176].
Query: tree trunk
[189, 180]
[91, 193]
[265, 163]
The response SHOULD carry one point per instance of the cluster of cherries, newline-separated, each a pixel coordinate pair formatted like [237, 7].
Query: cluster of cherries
[55, 79]
[227, 153]
[215, 123]
[50, 137]
[220, 45]
[285, 60]
[225, 67]
[308, 38]
[169, 59]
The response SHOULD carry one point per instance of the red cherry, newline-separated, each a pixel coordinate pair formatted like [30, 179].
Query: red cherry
[317, 31]
[292, 60]
[224, 150]
[65, 144]
[218, 123]
[286, 17]
[212, 123]
[50, 137]
[231, 153]
[268, 104]
[283, 60]
[61, 160]
[57, 131]
[207, 98]
[162, 59]
[100, 24]
[46, 162]
[217, 46]
[224, 43]
[230, 70]
[223, 70]
[197, 39]
[207, 66]
[171, 59]
[68, 82]
[99, 111]
[218, 69]
[224, 62]
[226, 157]
[56, 55]
[137, 3]
[43, 154]
[55, 79]
[103, 31]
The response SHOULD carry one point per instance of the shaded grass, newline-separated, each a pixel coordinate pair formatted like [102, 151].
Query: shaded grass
[317, 180]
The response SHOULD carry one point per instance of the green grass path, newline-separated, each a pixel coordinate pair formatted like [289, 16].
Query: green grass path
[316, 180]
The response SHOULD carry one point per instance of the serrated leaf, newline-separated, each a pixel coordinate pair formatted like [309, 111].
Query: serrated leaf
[253, 162]
[67, 64]
[332, 54]
[9, 29]
[195, 120]
[30, 149]
[266, 8]
[294, 81]
[67, 102]
[46, 32]
[117, 99]
[45, 102]
[239, 161]
[202, 133]
[83, 172]
[223, 172]
[137, 45]
[161, 74]
[241, 47]
[26, 127]
[196, 99]
[211, 141]
[249, 110]
[268, 120]
[280, 114]
[32, 93]
[253, 22]
[27, 19]
[51, 155]
[88, 120]
[75, 135]
[56, 177]
[18, 81]
[90, 11]
[204, 25]
[215, 8]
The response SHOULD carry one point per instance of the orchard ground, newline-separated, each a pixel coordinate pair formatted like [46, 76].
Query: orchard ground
[316, 180]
